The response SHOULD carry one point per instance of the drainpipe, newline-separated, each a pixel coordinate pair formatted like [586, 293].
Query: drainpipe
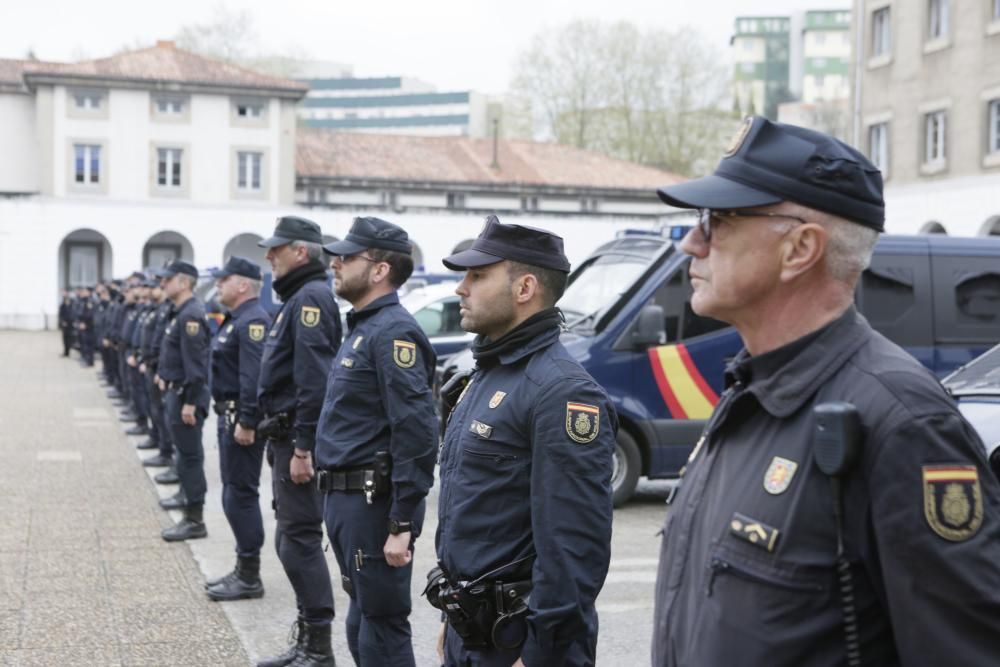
[859, 68]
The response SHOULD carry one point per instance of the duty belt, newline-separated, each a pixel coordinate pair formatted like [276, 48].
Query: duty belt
[224, 407]
[348, 481]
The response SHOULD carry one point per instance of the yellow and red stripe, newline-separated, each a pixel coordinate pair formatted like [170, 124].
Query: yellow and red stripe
[684, 389]
[951, 474]
[583, 407]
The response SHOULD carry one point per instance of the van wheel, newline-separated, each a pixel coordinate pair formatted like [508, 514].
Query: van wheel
[625, 471]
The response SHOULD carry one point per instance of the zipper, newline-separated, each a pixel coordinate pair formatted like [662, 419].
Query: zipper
[720, 566]
[499, 458]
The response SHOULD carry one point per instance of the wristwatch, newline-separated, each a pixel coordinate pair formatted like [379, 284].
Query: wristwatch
[396, 527]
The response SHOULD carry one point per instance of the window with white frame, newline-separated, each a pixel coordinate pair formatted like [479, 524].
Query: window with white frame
[878, 145]
[934, 137]
[994, 128]
[87, 100]
[881, 32]
[168, 167]
[248, 166]
[169, 106]
[249, 109]
[86, 164]
[937, 19]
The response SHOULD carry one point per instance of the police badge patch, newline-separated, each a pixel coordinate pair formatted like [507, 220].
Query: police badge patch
[310, 316]
[256, 332]
[779, 475]
[404, 353]
[737, 141]
[497, 399]
[582, 422]
[953, 501]
[192, 328]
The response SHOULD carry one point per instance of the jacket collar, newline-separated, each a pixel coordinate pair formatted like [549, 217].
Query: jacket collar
[243, 307]
[353, 316]
[530, 347]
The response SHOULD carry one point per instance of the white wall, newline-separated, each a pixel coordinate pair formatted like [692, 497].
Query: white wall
[31, 231]
[962, 205]
[19, 168]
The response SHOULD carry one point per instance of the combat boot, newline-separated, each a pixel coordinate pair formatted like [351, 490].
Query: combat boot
[191, 527]
[158, 461]
[243, 583]
[318, 651]
[148, 444]
[168, 476]
[175, 502]
[138, 429]
[297, 644]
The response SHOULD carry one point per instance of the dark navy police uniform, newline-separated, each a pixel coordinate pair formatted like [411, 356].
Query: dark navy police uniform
[378, 399]
[526, 477]
[298, 350]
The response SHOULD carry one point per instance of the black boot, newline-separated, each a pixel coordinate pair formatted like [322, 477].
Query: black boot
[148, 444]
[127, 417]
[318, 651]
[158, 461]
[114, 394]
[168, 476]
[243, 583]
[174, 502]
[189, 528]
[297, 642]
[138, 429]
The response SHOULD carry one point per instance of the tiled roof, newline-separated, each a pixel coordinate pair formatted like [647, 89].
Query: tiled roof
[12, 71]
[327, 154]
[163, 63]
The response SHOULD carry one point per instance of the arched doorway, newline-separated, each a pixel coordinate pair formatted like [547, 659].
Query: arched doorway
[933, 227]
[991, 227]
[164, 247]
[245, 245]
[84, 259]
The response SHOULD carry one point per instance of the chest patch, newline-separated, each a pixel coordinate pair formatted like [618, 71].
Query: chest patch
[310, 316]
[481, 429]
[755, 532]
[404, 353]
[347, 362]
[779, 475]
[192, 328]
[583, 422]
[256, 332]
[357, 342]
[953, 501]
[497, 399]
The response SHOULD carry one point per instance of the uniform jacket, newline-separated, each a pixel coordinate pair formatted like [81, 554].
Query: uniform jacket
[236, 351]
[748, 563]
[526, 471]
[66, 314]
[378, 397]
[298, 351]
[184, 352]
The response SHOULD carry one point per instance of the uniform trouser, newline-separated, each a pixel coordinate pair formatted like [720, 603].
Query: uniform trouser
[190, 453]
[456, 655]
[378, 626]
[87, 346]
[139, 399]
[124, 386]
[157, 426]
[298, 537]
[240, 467]
[67, 336]
[110, 365]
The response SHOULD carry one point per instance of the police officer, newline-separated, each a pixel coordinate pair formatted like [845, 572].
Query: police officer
[298, 351]
[779, 550]
[377, 440]
[140, 399]
[524, 528]
[149, 357]
[183, 374]
[123, 336]
[85, 326]
[109, 341]
[66, 321]
[236, 351]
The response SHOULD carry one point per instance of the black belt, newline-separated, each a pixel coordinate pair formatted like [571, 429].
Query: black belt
[225, 407]
[347, 481]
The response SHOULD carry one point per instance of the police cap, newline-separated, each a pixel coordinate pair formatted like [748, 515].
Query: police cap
[238, 266]
[371, 233]
[768, 163]
[175, 267]
[517, 243]
[292, 228]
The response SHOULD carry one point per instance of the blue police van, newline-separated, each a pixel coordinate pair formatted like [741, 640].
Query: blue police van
[630, 324]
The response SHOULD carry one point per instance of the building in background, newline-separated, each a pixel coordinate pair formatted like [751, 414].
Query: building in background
[927, 110]
[761, 57]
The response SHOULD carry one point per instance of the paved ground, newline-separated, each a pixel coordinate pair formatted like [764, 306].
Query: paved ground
[86, 580]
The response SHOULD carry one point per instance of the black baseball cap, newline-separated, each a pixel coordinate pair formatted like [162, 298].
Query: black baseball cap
[371, 233]
[518, 243]
[175, 267]
[292, 228]
[238, 266]
[768, 163]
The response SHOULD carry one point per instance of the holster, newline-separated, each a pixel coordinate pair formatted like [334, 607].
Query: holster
[275, 427]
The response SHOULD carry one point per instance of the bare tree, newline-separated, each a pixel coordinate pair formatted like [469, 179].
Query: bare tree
[655, 97]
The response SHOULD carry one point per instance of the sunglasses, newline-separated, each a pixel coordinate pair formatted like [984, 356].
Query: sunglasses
[705, 216]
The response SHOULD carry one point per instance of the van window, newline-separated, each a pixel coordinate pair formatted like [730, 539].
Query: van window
[966, 299]
[440, 318]
[887, 295]
[680, 321]
[978, 298]
[894, 295]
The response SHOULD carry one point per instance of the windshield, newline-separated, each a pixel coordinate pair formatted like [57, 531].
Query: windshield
[600, 284]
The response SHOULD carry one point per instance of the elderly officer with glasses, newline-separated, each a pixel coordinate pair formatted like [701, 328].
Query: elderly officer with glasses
[837, 508]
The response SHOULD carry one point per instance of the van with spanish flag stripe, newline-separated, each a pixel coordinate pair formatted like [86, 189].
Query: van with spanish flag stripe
[630, 324]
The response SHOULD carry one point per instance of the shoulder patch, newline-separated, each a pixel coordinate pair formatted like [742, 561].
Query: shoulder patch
[583, 422]
[404, 353]
[953, 501]
[192, 328]
[256, 332]
[310, 316]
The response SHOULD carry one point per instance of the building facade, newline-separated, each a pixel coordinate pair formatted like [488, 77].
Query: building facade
[761, 56]
[826, 55]
[927, 110]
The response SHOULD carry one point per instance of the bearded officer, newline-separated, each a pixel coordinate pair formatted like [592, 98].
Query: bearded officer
[524, 515]
[298, 350]
[377, 441]
[236, 351]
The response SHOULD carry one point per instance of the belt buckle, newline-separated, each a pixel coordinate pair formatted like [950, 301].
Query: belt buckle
[369, 485]
[322, 480]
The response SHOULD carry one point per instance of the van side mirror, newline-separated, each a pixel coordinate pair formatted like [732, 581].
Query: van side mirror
[648, 329]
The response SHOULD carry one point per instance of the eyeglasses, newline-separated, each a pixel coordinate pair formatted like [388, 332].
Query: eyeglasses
[344, 259]
[705, 216]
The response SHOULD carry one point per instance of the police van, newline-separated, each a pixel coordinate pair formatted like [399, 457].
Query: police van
[630, 324]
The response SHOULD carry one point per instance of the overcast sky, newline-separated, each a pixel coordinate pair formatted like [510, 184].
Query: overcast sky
[452, 44]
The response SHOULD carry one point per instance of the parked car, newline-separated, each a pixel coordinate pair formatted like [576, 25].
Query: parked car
[436, 309]
[976, 386]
